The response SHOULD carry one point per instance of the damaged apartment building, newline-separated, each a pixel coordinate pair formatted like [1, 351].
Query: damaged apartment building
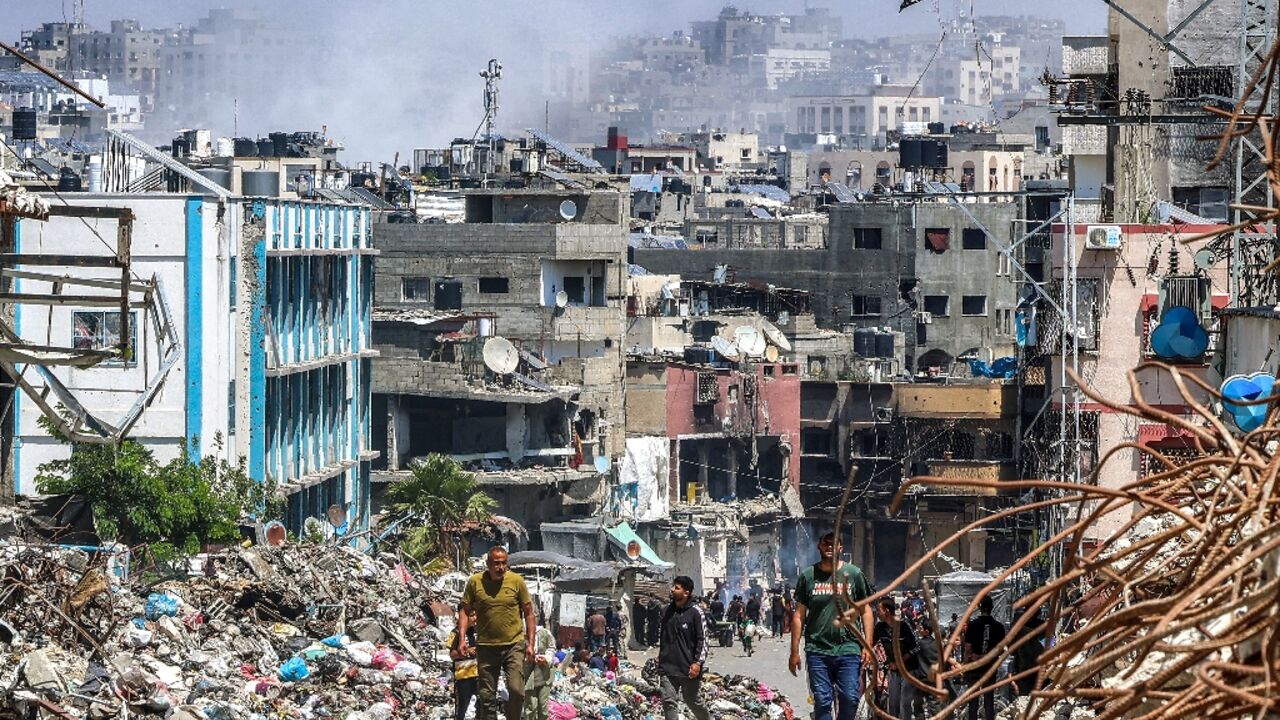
[239, 326]
[932, 268]
[711, 466]
[500, 341]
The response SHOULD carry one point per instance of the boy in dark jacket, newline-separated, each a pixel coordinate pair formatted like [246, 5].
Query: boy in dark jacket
[682, 653]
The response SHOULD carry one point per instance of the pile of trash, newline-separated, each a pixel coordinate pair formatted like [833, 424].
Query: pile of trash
[298, 631]
[578, 692]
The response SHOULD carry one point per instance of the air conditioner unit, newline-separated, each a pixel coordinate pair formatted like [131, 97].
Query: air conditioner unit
[1103, 237]
[883, 413]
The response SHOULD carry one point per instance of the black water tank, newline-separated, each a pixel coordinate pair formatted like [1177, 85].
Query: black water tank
[864, 342]
[280, 143]
[181, 148]
[884, 345]
[246, 147]
[266, 147]
[24, 124]
[68, 181]
[937, 128]
[929, 153]
[909, 152]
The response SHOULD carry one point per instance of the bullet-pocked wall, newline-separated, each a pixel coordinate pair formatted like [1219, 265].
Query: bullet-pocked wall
[307, 279]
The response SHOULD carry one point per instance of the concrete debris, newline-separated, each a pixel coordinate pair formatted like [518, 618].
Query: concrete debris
[302, 632]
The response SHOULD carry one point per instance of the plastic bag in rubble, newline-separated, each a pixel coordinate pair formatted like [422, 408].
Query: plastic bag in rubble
[362, 652]
[136, 637]
[294, 669]
[380, 711]
[721, 705]
[609, 712]
[161, 605]
[386, 659]
[407, 670]
[561, 711]
[336, 641]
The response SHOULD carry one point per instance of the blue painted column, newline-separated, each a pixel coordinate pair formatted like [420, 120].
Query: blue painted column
[194, 279]
[255, 247]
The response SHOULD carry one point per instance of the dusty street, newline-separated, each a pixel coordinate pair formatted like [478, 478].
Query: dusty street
[768, 665]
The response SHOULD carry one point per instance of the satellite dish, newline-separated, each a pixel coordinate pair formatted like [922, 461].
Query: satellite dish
[276, 534]
[725, 348]
[562, 299]
[749, 341]
[1204, 259]
[568, 210]
[500, 355]
[775, 336]
[771, 353]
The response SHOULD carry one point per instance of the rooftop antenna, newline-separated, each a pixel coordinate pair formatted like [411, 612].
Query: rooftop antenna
[491, 74]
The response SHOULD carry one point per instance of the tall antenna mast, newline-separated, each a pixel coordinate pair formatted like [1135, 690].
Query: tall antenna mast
[492, 74]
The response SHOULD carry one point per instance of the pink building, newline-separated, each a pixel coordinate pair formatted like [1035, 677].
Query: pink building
[734, 432]
[1125, 290]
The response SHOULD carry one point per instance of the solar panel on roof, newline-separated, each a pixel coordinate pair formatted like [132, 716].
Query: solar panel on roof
[566, 150]
[773, 192]
[561, 178]
[761, 213]
[842, 193]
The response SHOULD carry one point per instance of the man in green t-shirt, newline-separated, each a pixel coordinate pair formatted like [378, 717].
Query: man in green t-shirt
[833, 655]
[504, 633]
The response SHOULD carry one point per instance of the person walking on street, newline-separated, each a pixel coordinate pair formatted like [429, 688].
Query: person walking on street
[753, 609]
[737, 610]
[902, 693]
[504, 644]
[599, 627]
[717, 610]
[682, 654]
[537, 686]
[464, 668]
[655, 622]
[777, 613]
[613, 628]
[833, 655]
[983, 634]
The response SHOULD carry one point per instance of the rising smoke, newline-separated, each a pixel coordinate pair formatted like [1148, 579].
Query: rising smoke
[391, 75]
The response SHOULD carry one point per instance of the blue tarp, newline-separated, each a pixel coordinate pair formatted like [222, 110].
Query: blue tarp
[1003, 367]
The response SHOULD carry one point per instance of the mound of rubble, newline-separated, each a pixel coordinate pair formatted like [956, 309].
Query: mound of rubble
[292, 632]
[591, 695]
[297, 632]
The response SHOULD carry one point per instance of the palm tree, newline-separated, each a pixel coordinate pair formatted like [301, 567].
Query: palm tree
[437, 498]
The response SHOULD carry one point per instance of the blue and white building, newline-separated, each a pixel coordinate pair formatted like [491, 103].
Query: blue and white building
[269, 303]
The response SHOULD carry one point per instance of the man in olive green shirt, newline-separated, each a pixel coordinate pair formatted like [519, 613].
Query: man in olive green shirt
[833, 656]
[504, 638]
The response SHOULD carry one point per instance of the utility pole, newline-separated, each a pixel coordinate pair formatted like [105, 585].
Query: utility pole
[491, 74]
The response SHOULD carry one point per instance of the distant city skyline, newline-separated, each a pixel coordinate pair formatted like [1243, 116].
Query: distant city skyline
[387, 77]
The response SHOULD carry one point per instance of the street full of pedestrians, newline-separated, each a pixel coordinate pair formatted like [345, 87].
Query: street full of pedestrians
[506, 659]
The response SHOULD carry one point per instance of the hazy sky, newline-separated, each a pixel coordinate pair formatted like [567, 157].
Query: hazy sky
[400, 74]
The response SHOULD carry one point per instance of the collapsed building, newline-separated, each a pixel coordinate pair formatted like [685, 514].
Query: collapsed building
[235, 325]
[501, 347]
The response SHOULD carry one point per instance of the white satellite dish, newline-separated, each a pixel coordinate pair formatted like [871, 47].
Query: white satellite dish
[500, 355]
[568, 210]
[775, 336]
[562, 299]
[725, 348]
[749, 340]
[1204, 259]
